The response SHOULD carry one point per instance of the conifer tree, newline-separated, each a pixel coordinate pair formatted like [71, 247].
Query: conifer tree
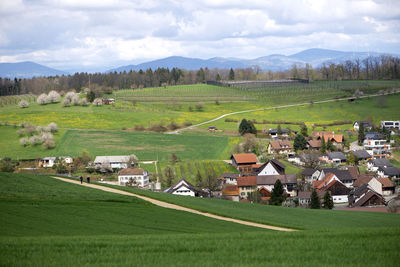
[361, 134]
[315, 202]
[323, 145]
[277, 194]
[328, 201]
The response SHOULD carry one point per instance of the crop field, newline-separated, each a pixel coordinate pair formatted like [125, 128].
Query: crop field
[49, 222]
[145, 145]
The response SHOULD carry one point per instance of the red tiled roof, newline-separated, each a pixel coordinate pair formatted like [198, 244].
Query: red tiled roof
[247, 181]
[281, 144]
[245, 158]
[363, 179]
[256, 166]
[230, 190]
[323, 182]
[385, 182]
[315, 143]
[329, 135]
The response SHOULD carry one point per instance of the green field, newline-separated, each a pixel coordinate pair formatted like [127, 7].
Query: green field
[48, 222]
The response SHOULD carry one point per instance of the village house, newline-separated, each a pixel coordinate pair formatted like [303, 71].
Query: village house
[367, 125]
[391, 124]
[313, 144]
[390, 172]
[376, 163]
[333, 157]
[375, 144]
[365, 196]
[388, 187]
[335, 139]
[246, 185]
[289, 182]
[182, 188]
[48, 162]
[361, 154]
[115, 162]
[345, 176]
[271, 167]
[371, 180]
[137, 176]
[280, 147]
[336, 188]
[310, 175]
[244, 162]
[304, 198]
[230, 192]
[265, 194]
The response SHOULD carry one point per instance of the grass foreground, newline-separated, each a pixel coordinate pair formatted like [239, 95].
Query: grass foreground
[48, 222]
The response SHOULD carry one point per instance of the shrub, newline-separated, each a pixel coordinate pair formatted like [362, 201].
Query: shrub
[69, 96]
[53, 97]
[66, 102]
[172, 126]
[23, 104]
[199, 107]
[42, 99]
[187, 123]
[138, 128]
[98, 102]
[24, 141]
[157, 128]
[52, 127]
[21, 132]
[35, 140]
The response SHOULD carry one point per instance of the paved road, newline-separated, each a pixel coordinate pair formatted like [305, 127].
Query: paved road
[177, 207]
[269, 108]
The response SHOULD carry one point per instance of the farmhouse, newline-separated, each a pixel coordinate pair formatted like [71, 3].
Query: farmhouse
[336, 188]
[335, 139]
[361, 154]
[115, 162]
[246, 185]
[375, 164]
[304, 197]
[244, 162]
[388, 187]
[289, 182]
[229, 178]
[367, 125]
[391, 172]
[183, 188]
[280, 147]
[313, 144]
[343, 175]
[375, 144]
[370, 180]
[137, 176]
[365, 196]
[310, 175]
[265, 194]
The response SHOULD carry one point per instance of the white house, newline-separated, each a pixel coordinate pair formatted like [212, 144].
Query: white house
[391, 124]
[138, 176]
[390, 172]
[183, 188]
[375, 144]
[48, 162]
[367, 125]
[375, 164]
[229, 178]
[116, 162]
[289, 182]
[272, 167]
[310, 175]
[333, 157]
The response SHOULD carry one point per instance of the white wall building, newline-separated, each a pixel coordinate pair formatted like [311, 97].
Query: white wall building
[139, 177]
[116, 162]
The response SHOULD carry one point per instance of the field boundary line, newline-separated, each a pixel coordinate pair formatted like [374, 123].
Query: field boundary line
[176, 207]
[276, 107]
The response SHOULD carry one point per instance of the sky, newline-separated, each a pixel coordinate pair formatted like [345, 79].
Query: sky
[94, 35]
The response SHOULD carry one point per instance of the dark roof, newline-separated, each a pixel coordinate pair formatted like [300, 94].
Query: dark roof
[174, 187]
[390, 171]
[380, 162]
[363, 179]
[365, 123]
[308, 171]
[229, 175]
[271, 179]
[336, 155]
[353, 171]
[278, 163]
[374, 136]
[341, 174]
[361, 154]
[284, 131]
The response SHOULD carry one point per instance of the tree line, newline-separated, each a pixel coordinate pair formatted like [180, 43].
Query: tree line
[379, 67]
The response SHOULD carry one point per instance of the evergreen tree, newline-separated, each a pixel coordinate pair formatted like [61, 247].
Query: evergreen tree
[279, 130]
[231, 75]
[246, 126]
[299, 142]
[328, 201]
[90, 96]
[315, 202]
[277, 196]
[323, 145]
[304, 130]
[330, 146]
[361, 134]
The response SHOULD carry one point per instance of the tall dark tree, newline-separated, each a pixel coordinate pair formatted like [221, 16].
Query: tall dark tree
[299, 142]
[277, 196]
[329, 145]
[246, 126]
[315, 203]
[304, 130]
[361, 134]
[328, 201]
[231, 75]
[323, 145]
[279, 130]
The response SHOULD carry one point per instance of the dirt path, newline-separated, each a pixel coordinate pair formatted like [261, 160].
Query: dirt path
[276, 107]
[176, 207]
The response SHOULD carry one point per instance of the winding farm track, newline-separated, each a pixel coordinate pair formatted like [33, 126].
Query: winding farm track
[275, 107]
[176, 207]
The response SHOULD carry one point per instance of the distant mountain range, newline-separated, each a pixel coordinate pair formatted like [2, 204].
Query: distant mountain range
[27, 69]
[276, 62]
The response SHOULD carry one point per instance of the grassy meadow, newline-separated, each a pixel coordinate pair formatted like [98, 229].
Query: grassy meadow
[47, 222]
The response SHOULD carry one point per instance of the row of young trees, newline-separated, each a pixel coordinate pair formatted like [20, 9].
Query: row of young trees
[381, 67]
